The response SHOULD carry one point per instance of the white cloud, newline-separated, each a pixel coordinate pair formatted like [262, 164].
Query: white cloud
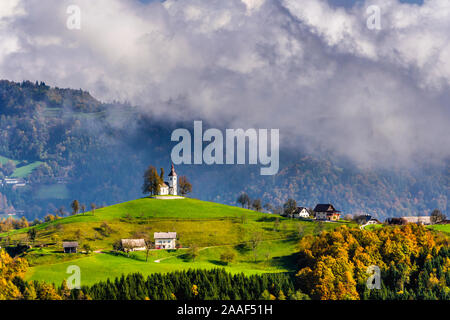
[314, 71]
[253, 5]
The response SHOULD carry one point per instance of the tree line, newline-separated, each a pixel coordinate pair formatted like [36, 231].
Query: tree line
[216, 284]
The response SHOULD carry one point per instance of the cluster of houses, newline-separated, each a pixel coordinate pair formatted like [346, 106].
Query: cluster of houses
[322, 211]
[163, 240]
[327, 212]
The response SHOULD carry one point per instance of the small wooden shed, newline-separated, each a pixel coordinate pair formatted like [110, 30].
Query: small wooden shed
[70, 246]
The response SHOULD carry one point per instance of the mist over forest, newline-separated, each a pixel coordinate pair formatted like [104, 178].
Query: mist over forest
[68, 145]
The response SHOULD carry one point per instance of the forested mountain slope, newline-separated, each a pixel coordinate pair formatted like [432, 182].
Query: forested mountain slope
[67, 145]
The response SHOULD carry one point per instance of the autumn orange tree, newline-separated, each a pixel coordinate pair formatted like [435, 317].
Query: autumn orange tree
[14, 287]
[152, 181]
[333, 265]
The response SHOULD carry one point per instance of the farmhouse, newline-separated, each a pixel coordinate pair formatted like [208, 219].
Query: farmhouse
[426, 220]
[365, 219]
[133, 244]
[165, 240]
[169, 187]
[326, 212]
[301, 212]
[70, 246]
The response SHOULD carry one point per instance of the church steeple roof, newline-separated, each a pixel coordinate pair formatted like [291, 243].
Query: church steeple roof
[172, 172]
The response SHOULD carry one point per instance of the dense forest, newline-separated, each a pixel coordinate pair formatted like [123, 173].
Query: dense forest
[414, 264]
[78, 152]
[196, 285]
[67, 145]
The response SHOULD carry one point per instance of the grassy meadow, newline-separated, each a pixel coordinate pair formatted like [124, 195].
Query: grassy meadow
[270, 256]
[21, 171]
[441, 227]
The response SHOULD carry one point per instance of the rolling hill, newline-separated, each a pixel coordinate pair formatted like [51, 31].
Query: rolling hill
[213, 228]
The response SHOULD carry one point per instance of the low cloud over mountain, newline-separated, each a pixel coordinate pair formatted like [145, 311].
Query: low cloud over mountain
[313, 70]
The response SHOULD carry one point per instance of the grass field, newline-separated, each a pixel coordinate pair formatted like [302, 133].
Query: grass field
[271, 256]
[373, 227]
[22, 171]
[212, 227]
[441, 227]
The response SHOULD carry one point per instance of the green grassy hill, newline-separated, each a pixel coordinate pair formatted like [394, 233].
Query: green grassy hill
[24, 171]
[200, 222]
[210, 226]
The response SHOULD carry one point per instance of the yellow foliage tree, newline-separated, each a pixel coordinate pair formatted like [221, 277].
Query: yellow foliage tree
[333, 263]
[10, 268]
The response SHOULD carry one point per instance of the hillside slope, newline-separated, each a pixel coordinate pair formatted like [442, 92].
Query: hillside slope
[260, 242]
[197, 222]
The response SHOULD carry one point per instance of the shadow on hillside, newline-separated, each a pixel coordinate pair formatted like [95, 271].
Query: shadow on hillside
[185, 257]
[272, 229]
[267, 219]
[242, 248]
[291, 240]
[218, 263]
[286, 262]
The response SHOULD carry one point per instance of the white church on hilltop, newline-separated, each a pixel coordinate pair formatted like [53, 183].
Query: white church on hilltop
[169, 187]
